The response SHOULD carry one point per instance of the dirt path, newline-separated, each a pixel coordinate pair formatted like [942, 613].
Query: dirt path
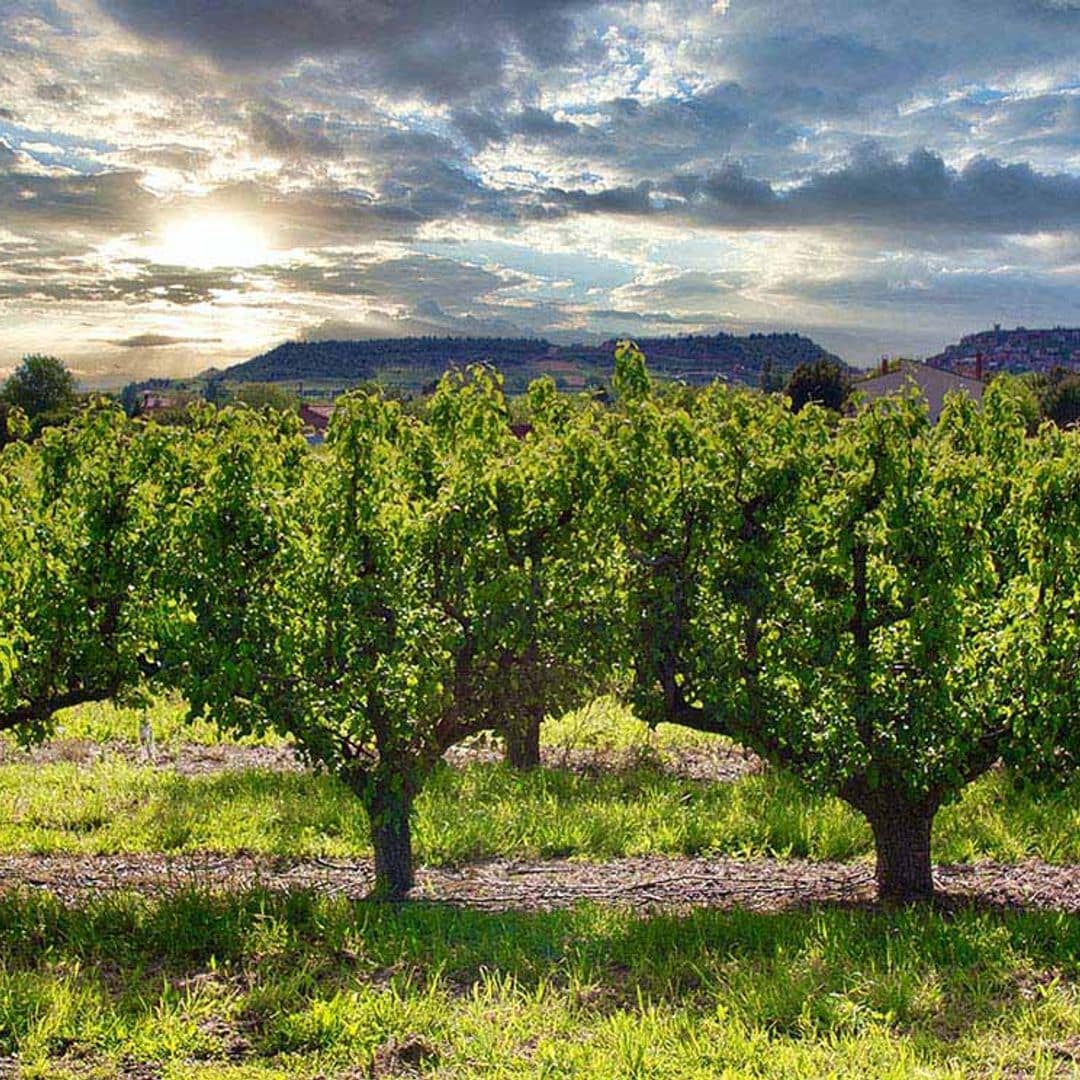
[673, 884]
[719, 764]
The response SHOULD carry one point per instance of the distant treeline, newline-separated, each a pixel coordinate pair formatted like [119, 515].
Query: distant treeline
[354, 360]
[695, 358]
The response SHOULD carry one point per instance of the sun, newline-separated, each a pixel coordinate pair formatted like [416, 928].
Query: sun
[208, 241]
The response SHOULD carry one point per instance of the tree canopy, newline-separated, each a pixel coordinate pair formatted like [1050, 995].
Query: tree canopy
[857, 606]
[884, 606]
[819, 382]
[41, 386]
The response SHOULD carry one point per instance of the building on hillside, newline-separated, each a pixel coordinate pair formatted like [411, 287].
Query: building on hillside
[154, 401]
[316, 417]
[932, 384]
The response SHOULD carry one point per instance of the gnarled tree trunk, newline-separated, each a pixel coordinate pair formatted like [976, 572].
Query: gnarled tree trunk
[388, 800]
[901, 824]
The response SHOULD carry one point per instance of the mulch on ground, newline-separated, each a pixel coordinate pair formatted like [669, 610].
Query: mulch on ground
[649, 883]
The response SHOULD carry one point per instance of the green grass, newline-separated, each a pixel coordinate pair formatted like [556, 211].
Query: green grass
[299, 985]
[105, 722]
[601, 725]
[256, 985]
[486, 811]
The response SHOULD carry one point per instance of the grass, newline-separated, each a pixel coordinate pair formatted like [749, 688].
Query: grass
[257, 985]
[486, 811]
[104, 722]
[300, 985]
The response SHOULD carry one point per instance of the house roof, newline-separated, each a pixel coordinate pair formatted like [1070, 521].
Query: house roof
[932, 383]
[318, 416]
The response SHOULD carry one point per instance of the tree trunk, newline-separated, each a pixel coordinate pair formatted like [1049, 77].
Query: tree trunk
[523, 741]
[389, 810]
[901, 828]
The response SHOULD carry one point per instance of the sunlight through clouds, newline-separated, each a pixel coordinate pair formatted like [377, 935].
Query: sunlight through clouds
[708, 162]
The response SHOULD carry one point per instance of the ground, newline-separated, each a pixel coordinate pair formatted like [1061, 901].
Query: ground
[642, 906]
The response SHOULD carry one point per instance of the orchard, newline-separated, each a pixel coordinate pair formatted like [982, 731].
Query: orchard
[884, 607]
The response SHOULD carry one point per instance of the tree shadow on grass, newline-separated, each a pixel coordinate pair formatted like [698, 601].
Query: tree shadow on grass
[486, 811]
[798, 973]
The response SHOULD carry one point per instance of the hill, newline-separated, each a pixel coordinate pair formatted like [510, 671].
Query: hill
[412, 363]
[1015, 351]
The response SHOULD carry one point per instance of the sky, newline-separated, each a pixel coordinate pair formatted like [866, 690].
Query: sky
[185, 183]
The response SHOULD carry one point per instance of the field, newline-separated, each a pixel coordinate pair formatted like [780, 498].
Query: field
[644, 905]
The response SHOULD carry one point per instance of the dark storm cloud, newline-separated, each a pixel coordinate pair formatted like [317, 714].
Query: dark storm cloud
[873, 189]
[290, 137]
[160, 341]
[441, 47]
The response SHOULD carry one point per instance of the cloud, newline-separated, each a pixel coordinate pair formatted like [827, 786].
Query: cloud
[441, 48]
[160, 341]
[86, 284]
[57, 92]
[578, 165]
[291, 137]
[921, 191]
[100, 203]
[872, 189]
[426, 319]
[418, 282]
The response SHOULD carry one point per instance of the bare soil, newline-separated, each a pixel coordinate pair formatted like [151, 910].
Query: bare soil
[643, 883]
[720, 764]
[187, 759]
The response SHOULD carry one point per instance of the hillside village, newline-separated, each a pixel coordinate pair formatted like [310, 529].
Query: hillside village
[1011, 351]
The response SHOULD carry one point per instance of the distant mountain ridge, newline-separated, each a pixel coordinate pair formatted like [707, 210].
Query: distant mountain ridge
[411, 363]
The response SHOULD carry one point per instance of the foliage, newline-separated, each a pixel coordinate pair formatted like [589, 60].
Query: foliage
[78, 526]
[374, 603]
[260, 395]
[884, 606]
[43, 389]
[1060, 398]
[822, 382]
[10, 423]
[1022, 396]
[1048, 667]
[856, 607]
